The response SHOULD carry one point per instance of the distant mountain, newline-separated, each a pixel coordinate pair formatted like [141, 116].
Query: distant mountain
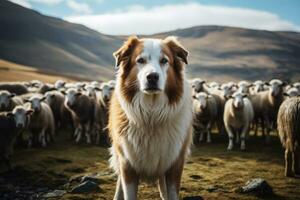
[51, 44]
[216, 53]
[235, 53]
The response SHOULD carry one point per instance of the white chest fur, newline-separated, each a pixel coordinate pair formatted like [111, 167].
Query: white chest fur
[156, 132]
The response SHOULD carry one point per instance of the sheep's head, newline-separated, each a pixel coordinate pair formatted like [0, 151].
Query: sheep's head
[20, 115]
[238, 99]
[5, 98]
[259, 86]
[35, 103]
[276, 87]
[72, 96]
[202, 99]
[197, 84]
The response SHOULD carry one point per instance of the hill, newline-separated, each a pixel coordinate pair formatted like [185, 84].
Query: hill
[216, 53]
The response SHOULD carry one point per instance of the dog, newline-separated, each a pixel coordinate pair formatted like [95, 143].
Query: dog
[150, 116]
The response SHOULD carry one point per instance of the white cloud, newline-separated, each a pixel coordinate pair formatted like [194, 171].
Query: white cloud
[139, 20]
[81, 8]
[23, 3]
[47, 2]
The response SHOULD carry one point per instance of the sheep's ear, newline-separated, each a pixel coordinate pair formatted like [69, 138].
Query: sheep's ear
[194, 97]
[97, 89]
[63, 91]
[124, 52]
[177, 48]
[267, 83]
[27, 100]
[42, 99]
[203, 82]
[12, 95]
[9, 114]
[285, 94]
[230, 96]
[111, 88]
[78, 94]
[209, 96]
[29, 112]
[245, 95]
[284, 83]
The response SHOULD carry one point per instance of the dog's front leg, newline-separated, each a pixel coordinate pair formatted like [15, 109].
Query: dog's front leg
[173, 179]
[129, 180]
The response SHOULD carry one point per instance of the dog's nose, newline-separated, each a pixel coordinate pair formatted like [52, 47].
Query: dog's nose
[153, 77]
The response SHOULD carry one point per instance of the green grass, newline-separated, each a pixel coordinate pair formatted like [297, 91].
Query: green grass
[211, 171]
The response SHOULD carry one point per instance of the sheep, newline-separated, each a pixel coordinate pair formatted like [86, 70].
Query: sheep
[238, 114]
[42, 124]
[62, 115]
[288, 127]
[257, 87]
[297, 85]
[98, 124]
[45, 88]
[8, 101]
[214, 84]
[198, 85]
[205, 114]
[14, 87]
[59, 84]
[292, 92]
[266, 105]
[221, 95]
[243, 87]
[11, 125]
[82, 109]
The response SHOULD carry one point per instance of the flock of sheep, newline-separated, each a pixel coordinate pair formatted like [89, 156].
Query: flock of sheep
[41, 109]
[234, 108]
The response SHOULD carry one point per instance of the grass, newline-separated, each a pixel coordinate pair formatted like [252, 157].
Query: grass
[211, 171]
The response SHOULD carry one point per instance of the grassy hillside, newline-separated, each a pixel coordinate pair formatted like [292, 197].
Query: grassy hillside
[10, 71]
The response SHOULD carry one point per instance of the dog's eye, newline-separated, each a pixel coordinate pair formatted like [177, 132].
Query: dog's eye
[141, 61]
[163, 61]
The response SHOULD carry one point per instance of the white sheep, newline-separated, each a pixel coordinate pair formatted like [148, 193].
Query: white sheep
[238, 114]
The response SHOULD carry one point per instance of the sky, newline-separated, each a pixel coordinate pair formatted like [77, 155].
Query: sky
[124, 17]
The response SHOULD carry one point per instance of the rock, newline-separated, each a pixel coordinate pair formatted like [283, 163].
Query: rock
[257, 186]
[196, 177]
[193, 198]
[86, 187]
[92, 178]
[54, 193]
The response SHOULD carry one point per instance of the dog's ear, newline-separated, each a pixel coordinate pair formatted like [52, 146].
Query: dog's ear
[177, 48]
[123, 54]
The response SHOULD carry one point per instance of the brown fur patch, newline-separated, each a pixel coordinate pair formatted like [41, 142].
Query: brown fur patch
[126, 58]
[174, 87]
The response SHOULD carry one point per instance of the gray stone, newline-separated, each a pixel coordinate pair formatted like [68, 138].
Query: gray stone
[257, 186]
[86, 187]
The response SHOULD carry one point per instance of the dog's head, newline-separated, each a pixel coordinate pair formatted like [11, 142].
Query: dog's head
[151, 66]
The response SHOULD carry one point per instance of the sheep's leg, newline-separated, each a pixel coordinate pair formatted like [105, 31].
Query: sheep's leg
[162, 187]
[268, 125]
[119, 191]
[288, 163]
[201, 136]
[296, 160]
[87, 133]
[208, 131]
[243, 137]
[79, 133]
[43, 137]
[230, 136]
[237, 137]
